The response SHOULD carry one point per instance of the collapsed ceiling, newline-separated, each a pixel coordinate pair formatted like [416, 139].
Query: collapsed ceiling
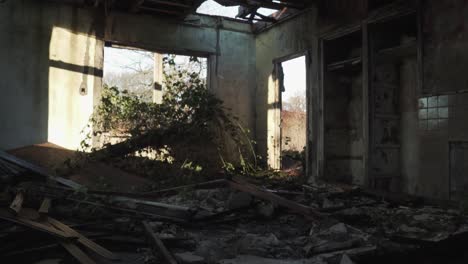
[248, 9]
[181, 8]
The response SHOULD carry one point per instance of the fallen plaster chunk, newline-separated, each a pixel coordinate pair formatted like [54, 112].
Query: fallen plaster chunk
[266, 210]
[49, 261]
[339, 228]
[248, 259]
[346, 260]
[422, 217]
[252, 244]
[327, 204]
[189, 258]
[411, 229]
[239, 200]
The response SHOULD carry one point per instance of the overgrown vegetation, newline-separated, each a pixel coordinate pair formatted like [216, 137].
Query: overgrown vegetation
[189, 136]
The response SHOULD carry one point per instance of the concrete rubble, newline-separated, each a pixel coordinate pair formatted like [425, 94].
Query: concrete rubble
[221, 224]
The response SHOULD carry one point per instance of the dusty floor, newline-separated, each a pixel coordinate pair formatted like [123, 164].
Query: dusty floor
[223, 225]
[95, 175]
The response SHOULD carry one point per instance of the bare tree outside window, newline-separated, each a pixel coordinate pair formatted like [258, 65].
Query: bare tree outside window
[132, 70]
[295, 103]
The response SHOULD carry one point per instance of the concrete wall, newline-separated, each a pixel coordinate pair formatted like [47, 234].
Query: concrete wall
[343, 140]
[52, 60]
[51, 67]
[230, 46]
[40, 78]
[445, 64]
[75, 77]
[285, 39]
[410, 144]
[426, 152]
[424, 160]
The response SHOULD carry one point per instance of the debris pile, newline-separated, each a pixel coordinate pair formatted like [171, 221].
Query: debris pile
[232, 220]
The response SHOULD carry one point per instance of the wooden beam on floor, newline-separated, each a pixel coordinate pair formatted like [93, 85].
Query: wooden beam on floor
[5, 215]
[17, 203]
[242, 185]
[158, 244]
[38, 170]
[45, 205]
[76, 252]
[83, 240]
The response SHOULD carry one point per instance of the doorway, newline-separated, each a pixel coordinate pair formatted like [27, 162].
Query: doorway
[293, 126]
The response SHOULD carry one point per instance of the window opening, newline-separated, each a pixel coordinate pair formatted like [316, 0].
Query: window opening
[138, 71]
[434, 112]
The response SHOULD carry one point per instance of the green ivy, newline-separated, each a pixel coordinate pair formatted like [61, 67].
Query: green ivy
[188, 106]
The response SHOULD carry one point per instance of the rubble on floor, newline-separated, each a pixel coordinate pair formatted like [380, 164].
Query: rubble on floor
[48, 219]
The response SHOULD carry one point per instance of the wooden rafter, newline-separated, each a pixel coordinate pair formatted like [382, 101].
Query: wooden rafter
[160, 10]
[136, 6]
[182, 8]
[261, 3]
[170, 3]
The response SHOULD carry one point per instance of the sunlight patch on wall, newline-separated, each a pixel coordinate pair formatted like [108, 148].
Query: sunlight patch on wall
[72, 78]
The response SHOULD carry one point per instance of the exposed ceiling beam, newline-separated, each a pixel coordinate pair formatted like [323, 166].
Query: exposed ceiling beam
[195, 5]
[278, 6]
[159, 10]
[169, 3]
[136, 5]
[258, 3]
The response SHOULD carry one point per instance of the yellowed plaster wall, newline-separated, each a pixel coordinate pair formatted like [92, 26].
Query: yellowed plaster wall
[47, 52]
[71, 92]
[50, 51]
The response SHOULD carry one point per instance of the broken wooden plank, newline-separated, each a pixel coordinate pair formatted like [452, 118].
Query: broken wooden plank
[83, 240]
[332, 246]
[175, 190]
[156, 241]
[146, 195]
[284, 192]
[132, 206]
[17, 203]
[76, 252]
[168, 210]
[240, 184]
[137, 213]
[45, 205]
[38, 170]
[33, 225]
[30, 250]
[10, 168]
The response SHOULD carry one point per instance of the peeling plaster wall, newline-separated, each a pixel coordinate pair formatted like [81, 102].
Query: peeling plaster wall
[445, 62]
[230, 46]
[52, 61]
[343, 141]
[75, 78]
[41, 78]
[409, 136]
[287, 38]
[425, 161]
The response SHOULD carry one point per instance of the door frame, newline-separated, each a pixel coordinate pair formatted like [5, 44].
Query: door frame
[277, 65]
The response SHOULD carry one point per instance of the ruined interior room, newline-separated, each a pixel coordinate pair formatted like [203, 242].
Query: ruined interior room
[233, 131]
